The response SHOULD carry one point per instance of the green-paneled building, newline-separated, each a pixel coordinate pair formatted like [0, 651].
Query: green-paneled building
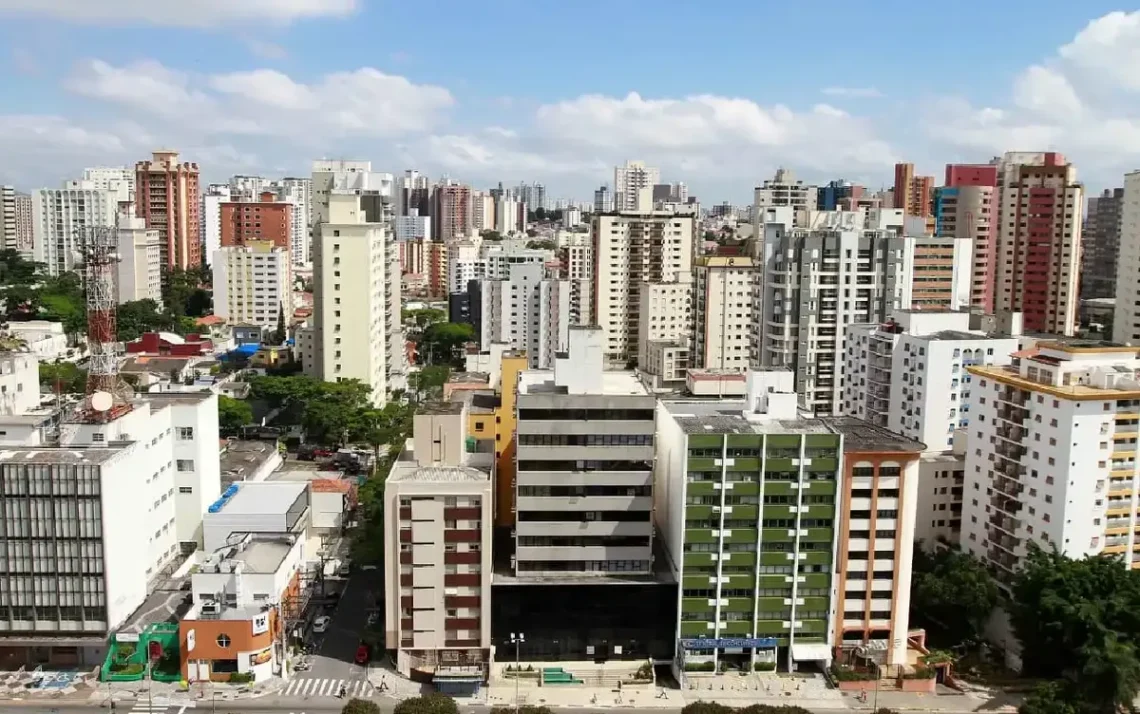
[746, 495]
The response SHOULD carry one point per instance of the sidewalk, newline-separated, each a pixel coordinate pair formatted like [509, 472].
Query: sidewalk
[105, 692]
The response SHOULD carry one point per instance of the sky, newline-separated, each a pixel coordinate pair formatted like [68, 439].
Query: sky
[717, 94]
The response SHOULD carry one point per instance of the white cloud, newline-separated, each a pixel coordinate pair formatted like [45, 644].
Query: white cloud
[145, 85]
[265, 50]
[179, 13]
[853, 92]
[1109, 46]
[1046, 92]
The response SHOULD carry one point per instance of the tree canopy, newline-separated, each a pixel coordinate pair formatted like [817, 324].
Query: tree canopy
[69, 378]
[1079, 621]
[442, 343]
[953, 592]
[233, 413]
[423, 317]
[542, 244]
[360, 706]
[427, 382]
[701, 707]
[428, 704]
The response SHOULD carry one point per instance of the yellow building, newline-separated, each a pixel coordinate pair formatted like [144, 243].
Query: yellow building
[498, 424]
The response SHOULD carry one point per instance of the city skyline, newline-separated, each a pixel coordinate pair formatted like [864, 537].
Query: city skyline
[107, 84]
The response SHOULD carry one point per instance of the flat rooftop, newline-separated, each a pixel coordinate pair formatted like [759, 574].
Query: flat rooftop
[614, 383]
[263, 556]
[440, 407]
[411, 471]
[959, 335]
[263, 497]
[242, 459]
[73, 456]
[187, 397]
[708, 416]
[859, 436]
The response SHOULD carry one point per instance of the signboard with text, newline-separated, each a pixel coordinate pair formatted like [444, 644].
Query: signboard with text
[708, 643]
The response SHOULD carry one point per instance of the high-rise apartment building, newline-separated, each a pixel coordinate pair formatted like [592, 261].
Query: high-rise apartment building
[1039, 240]
[412, 226]
[298, 193]
[665, 330]
[910, 373]
[578, 268]
[265, 219]
[629, 181]
[603, 200]
[913, 193]
[1126, 317]
[438, 563]
[482, 211]
[16, 220]
[58, 214]
[140, 260]
[829, 197]
[253, 284]
[527, 310]
[584, 476]
[942, 273]
[167, 198]
[451, 212]
[814, 284]
[1052, 456]
[1100, 249]
[630, 249]
[967, 208]
[357, 331]
[210, 218]
[722, 312]
[507, 216]
[785, 190]
[248, 188]
[113, 178]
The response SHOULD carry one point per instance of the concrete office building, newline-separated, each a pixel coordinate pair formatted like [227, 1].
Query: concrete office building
[210, 218]
[814, 284]
[59, 213]
[253, 284]
[119, 179]
[785, 190]
[1052, 456]
[630, 249]
[1126, 317]
[722, 312]
[451, 212]
[629, 181]
[528, 311]
[748, 511]
[167, 198]
[16, 220]
[584, 474]
[437, 539]
[910, 373]
[913, 193]
[140, 260]
[1039, 240]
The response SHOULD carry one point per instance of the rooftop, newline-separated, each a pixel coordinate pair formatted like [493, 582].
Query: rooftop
[75, 456]
[469, 378]
[242, 459]
[454, 407]
[263, 497]
[955, 335]
[709, 416]
[257, 556]
[860, 436]
[437, 474]
[614, 383]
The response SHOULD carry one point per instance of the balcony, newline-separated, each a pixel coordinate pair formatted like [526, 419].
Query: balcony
[1010, 451]
[1000, 525]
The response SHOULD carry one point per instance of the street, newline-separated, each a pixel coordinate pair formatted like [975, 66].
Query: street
[330, 706]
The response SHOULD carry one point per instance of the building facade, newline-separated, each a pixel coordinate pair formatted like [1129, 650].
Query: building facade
[630, 180]
[967, 208]
[265, 219]
[1126, 315]
[16, 220]
[527, 310]
[722, 312]
[167, 198]
[59, 214]
[253, 284]
[140, 261]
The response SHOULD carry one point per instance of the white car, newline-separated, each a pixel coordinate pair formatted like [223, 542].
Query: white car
[321, 624]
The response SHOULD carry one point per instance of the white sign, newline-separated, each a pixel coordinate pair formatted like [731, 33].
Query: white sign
[127, 637]
[261, 623]
[190, 640]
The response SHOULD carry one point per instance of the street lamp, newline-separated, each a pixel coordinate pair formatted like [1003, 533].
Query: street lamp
[517, 641]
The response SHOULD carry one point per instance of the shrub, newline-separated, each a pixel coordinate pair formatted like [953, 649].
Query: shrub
[241, 677]
[846, 674]
[360, 706]
[920, 672]
[524, 709]
[700, 667]
[644, 672]
[427, 704]
[127, 668]
[764, 666]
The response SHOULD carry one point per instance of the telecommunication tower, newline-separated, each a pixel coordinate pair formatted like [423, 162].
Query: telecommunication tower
[107, 395]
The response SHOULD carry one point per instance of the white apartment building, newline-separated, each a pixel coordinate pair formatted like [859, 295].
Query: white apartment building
[499, 257]
[16, 220]
[464, 264]
[351, 304]
[722, 312]
[140, 261]
[665, 330]
[1051, 456]
[1126, 320]
[814, 285]
[19, 382]
[629, 181]
[412, 226]
[528, 311]
[482, 211]
[578, 269]
[253, 284]
[785, 190]
[119, 179]
[59, 213]
[210, 221]
[438, 519]
[571, 216]
[910, 372]
[297, 193]
[941, 485]
[507, 218]
[631, 249]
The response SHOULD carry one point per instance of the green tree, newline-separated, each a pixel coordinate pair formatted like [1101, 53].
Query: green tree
[428, 381]
[1050, 698]
[953, 591]
[15, 269]
[491, 235]
[442, 342]
[138, 317]
[360, 706]
[541, 244]
[233, 413]
[280, 335]
[64, 376]
[427, 704]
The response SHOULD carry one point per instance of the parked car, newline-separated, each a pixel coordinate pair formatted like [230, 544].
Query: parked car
[321, 624]
[363, 654]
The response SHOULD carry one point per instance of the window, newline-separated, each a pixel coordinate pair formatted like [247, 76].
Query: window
[185, 433]
[223, 640]
[185, 465]
[185, 489]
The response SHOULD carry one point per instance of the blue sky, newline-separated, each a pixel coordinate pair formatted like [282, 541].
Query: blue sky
[716, 94]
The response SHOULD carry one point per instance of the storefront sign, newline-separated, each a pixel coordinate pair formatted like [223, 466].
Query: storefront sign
[266, 655]
[261, 623]
[708, 643]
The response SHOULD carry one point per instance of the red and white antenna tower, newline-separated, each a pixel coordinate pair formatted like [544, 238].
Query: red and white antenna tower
[107, 395]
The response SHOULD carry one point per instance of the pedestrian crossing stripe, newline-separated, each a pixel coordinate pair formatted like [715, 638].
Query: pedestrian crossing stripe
[314, 687]
[159, 705]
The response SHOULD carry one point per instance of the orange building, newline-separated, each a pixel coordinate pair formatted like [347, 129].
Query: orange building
[913, 193]
[498, 423]
[264, 220]
[167, 198]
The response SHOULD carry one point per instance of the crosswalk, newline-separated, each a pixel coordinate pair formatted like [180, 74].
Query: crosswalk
[317, 687]
[158, 705]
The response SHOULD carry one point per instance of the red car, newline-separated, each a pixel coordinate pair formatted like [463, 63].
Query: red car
[363, 654]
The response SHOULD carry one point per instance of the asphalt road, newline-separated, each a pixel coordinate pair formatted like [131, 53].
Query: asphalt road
[334, 706]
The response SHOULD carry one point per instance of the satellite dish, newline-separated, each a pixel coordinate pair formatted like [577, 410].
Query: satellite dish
[102, 401]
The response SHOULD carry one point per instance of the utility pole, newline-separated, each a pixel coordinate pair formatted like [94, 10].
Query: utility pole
[517, 641]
